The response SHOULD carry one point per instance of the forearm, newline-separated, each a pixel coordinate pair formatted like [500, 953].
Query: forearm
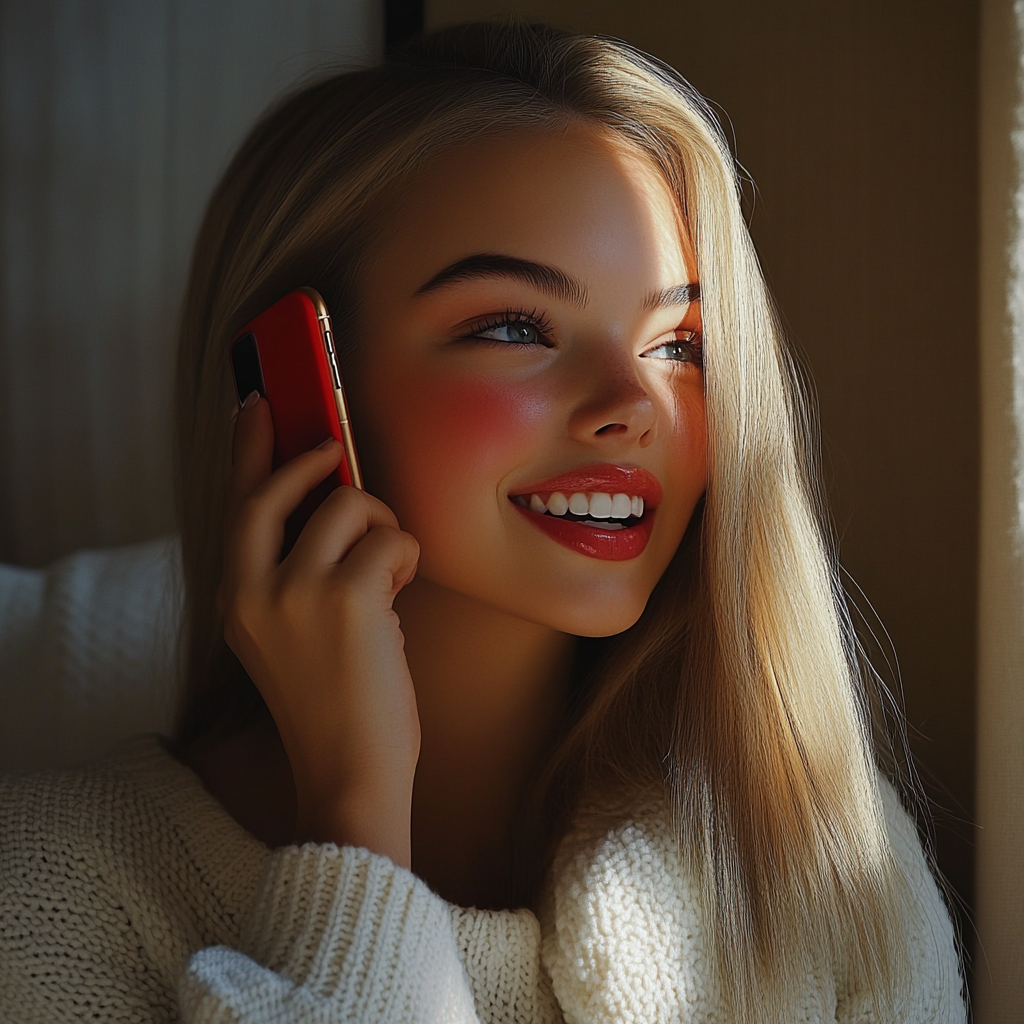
[334, 934]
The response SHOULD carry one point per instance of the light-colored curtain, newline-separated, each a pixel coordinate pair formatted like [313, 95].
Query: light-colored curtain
[116, 116]
[999, 955]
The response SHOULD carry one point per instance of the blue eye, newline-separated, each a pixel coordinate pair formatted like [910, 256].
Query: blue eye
[519, 328]
[516, 332]
[685, 348]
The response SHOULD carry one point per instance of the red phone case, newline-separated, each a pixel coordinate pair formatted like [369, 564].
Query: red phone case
[302, 385]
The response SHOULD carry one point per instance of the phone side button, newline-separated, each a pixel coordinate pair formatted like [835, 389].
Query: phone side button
[335, 376]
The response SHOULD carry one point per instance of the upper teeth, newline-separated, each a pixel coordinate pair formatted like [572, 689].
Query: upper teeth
[599, 505]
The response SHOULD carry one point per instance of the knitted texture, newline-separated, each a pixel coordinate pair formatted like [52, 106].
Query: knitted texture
[128, 894]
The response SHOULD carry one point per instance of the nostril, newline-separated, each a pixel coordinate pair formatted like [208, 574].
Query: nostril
[612, 428]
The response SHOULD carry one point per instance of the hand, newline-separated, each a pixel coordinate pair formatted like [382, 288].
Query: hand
[318, 636]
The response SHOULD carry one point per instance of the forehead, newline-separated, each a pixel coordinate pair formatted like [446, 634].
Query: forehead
[576, 199]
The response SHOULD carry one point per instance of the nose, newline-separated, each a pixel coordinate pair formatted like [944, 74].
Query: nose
[614, 407]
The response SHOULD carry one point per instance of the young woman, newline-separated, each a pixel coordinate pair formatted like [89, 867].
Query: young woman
[562, 719]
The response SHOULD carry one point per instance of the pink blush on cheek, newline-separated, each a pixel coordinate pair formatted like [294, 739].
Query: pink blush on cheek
[470, 425]
[450, 442]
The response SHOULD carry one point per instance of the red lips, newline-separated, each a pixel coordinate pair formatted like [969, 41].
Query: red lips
[595, 541]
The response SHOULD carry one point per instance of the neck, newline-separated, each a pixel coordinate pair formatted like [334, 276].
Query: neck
[491, 691]
[482, 676]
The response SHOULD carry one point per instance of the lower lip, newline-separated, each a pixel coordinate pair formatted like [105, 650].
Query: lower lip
[611, 545]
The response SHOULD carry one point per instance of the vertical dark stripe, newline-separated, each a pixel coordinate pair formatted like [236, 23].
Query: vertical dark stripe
[403, 20]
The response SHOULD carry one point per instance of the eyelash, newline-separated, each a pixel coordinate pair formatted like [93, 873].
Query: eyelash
[533, 317]
[695, 345]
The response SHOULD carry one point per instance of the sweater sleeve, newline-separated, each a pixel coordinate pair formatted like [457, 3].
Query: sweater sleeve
[334, 934]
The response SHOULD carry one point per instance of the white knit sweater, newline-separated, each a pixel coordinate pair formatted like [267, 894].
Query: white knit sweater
[127, 893]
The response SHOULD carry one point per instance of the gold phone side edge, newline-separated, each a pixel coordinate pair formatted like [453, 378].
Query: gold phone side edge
[340, 402]
[349, 441]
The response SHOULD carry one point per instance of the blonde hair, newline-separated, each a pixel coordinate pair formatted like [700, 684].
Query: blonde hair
[739, 686]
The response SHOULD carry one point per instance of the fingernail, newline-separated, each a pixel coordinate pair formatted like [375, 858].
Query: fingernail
[326, 443]
[250, 400]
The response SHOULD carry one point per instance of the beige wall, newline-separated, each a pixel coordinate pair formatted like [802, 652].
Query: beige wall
[858, 124]
[999, 896]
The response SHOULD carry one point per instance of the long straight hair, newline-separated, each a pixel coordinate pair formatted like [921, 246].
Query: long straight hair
[738, 691]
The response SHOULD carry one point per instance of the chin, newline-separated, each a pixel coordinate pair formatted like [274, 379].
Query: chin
[604, 615]
[594, 624]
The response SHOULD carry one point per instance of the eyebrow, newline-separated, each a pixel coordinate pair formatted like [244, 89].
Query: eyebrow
[680, 295]
[488, 264]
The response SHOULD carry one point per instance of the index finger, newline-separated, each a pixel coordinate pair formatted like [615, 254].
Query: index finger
[344, 517]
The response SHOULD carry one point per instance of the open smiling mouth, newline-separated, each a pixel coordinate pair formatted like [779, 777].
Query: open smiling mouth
[606, 511]
[594, 524]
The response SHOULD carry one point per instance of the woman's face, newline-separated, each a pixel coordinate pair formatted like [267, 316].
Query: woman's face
[529, 338]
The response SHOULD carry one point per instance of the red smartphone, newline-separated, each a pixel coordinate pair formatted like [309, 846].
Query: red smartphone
[288, 355]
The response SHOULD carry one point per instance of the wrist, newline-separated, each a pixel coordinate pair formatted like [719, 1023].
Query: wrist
[375, 815]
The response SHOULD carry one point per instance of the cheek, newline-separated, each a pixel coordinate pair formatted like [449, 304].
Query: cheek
[453, 440]
[690, 434]
[687, 473]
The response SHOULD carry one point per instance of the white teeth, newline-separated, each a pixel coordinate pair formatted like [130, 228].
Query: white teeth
[579, 505]
[622, 507]
[601, 506]
[558, 505]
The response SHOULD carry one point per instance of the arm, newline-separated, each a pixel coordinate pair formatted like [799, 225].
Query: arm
[335, 934]
[339, 929]
[317, 634]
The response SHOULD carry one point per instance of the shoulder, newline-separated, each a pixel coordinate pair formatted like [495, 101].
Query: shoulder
[69, 796]
[932, 945]
[111, 874]
[625, 925]
[65, 823]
